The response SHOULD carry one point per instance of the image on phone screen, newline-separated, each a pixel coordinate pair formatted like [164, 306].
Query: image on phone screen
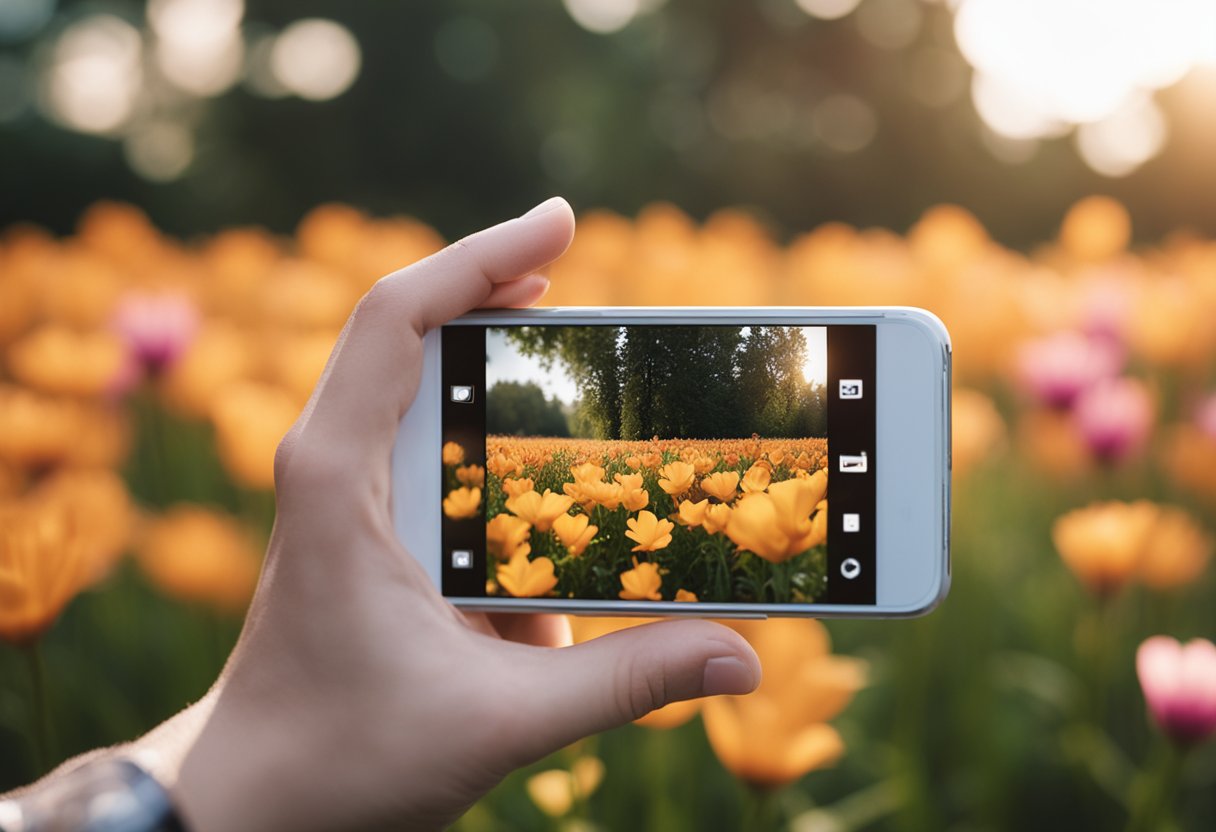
[659, 462]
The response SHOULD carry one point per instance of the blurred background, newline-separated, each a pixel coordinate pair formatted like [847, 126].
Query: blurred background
[194, 193]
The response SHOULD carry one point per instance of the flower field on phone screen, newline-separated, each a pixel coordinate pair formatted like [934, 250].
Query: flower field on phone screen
[672, 520]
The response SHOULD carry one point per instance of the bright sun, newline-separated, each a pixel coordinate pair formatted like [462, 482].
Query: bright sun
[815, 369]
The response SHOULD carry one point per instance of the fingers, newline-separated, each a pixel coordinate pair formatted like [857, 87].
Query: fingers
[373, 373]
[538, 629]
[625, 675]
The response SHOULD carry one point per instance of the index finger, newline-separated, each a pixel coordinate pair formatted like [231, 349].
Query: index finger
[372, 374]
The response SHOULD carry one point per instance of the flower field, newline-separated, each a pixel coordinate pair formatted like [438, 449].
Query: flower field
[136, 495]
[674, 520]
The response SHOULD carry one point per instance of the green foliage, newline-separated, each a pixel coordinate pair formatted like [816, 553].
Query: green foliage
[697, 382]
[522, 410]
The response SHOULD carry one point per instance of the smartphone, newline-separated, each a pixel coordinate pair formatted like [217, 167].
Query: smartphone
[725, 462]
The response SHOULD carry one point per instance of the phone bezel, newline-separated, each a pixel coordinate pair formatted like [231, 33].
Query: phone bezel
[912, 557]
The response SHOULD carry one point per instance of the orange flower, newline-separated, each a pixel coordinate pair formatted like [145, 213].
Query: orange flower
[554, 791]
[39, 431]
[198, 554]
[220, 356]
[527, 579]
[462, 503]
[575, 532]
[633, 461]
[676, 478]
[500, 465]
[1103, 544]
[507, 536]
[977, 429]
[1177, 551]
[685, 595]
[721, 485]
[539, 509]
[453, 454]
[606, 494]
[777, 525]
[97, 505]
[55, 359]
[44, 562]
[587, 472]
[635, 496]
[652, 460]
[514, 487]
[717, 517]
[473, 476]
[757, 478]
[778, 733]
[642, 582]
[692, 514]
[250, 420]
[704, 464]
[649, 532]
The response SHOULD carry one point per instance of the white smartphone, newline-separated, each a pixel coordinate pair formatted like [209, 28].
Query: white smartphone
[725, 462]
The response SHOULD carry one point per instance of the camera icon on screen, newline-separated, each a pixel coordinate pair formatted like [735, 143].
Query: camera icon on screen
[462, 393]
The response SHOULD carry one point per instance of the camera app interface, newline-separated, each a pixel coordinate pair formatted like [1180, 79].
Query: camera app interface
[689, 463]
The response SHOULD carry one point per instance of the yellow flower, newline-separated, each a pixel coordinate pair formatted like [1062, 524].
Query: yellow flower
[198, 554]
[685, 595]
[587, 472]
[642, 582]
[692, 514]
[777, 525]
[56, 359]
[756, 479]
[1177, 551]
[250, 420]
[607, 494]
[462, 503]
[649, 532]
[473, 476]
[977, 429]
[554, 791]
[635, 496]
[776, 734]
[44, 563]
[453, 454]
[1103, 543]
[575, 532]
[507, 536]
[527, 579]
[514, 487]
[676, 477]
[502, 466]
[539, 509]
[716, 518]
[722, 485]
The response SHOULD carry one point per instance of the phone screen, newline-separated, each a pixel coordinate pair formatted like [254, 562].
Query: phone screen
[658, 462]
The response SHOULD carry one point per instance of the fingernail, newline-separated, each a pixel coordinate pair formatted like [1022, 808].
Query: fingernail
[726, 675]
[546, 206]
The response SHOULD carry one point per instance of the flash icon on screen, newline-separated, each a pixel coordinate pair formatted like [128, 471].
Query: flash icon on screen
[462, 393]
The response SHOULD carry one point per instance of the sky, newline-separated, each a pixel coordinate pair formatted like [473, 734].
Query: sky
[505, 363]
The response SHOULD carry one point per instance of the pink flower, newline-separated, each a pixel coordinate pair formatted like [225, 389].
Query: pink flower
[1205, 416]
[1179, 684]
[1114, 417]
[1058, 368]
[157, 328]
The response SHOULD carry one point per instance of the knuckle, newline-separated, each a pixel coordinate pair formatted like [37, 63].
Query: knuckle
[639, 690]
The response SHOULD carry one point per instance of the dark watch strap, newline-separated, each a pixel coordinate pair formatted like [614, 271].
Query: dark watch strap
[99, 796]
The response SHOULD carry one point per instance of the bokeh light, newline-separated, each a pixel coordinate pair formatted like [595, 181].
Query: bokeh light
[198, 43]
[316, 59]
[94, 76]
[603, 16]
[828, 9]
[19, 19]
[1044, 66]
[159, 151]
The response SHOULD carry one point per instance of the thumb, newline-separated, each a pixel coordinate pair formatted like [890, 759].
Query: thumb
[623, 676]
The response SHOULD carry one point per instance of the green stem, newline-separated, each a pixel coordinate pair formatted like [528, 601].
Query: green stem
[1153, 803]
[762, 813]
[42, 712]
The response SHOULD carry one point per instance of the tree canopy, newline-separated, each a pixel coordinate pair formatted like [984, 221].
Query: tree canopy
[522, 410]
[694, 382]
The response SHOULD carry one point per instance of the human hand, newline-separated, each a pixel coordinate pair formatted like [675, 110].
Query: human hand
[357, 697]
